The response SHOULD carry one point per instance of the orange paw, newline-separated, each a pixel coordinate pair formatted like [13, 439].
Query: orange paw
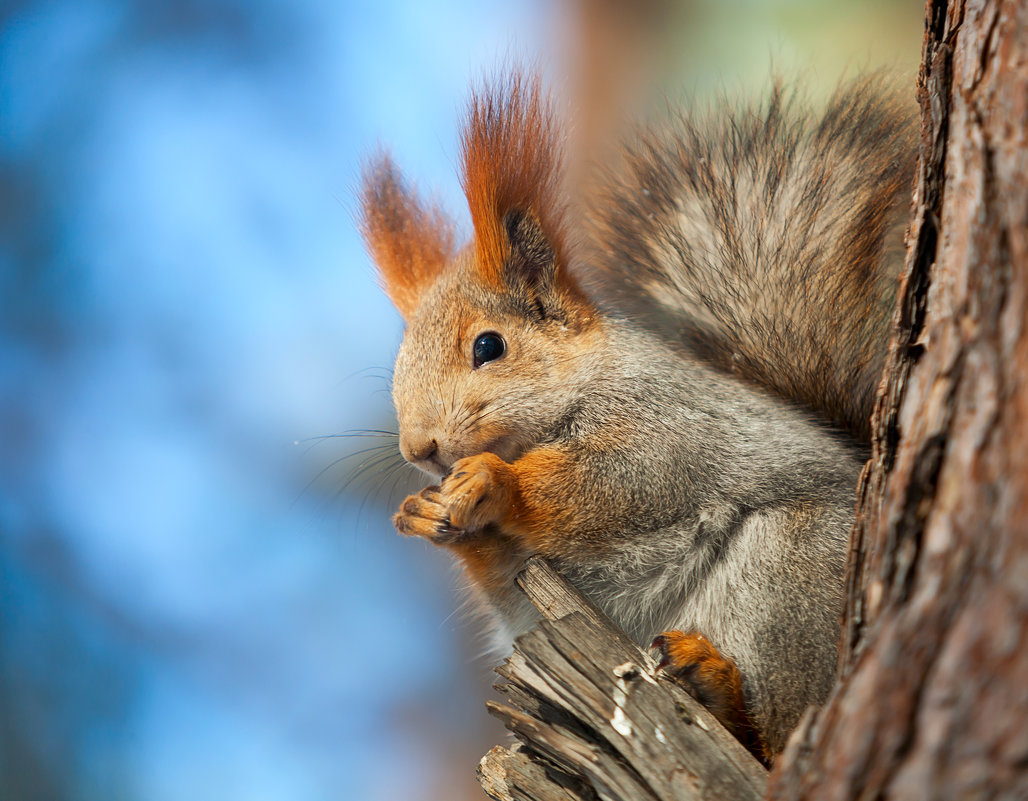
[477, 492]
[424, 515]
[711, 678]
[490, 557]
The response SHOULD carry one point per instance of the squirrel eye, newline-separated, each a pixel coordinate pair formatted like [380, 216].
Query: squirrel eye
[488, 348]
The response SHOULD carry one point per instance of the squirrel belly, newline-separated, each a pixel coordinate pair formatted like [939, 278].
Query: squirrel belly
[644, 396]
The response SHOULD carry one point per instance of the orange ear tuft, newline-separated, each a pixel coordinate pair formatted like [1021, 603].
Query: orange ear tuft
[410, 241]
[512, 154]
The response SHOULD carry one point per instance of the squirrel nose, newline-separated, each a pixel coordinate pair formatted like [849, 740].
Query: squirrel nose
[419, 451]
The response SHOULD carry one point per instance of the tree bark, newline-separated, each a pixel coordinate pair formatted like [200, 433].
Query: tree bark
[932, 699]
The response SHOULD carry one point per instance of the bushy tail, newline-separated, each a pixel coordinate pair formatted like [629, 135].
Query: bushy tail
[768, 241]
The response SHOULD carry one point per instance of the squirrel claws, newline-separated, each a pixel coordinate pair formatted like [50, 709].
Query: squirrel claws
[475, 492]
[446, 533]
[660, 644]
[682, 654]
[431, 494]
[424, 515]
[473, 495]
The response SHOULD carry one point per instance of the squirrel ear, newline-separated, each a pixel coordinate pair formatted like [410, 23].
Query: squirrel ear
[533, 272]
[410, 241]
[532, 260]
[512, 153]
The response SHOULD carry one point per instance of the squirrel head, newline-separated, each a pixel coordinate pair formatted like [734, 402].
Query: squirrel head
[498, 333]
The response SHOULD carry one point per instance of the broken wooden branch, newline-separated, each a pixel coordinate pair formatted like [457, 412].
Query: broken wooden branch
[593, 720]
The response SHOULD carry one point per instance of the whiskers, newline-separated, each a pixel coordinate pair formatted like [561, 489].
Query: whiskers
[485, 415]
[376, 474]
[376, 374]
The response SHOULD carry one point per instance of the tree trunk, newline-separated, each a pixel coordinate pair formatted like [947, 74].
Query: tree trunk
[932, 700]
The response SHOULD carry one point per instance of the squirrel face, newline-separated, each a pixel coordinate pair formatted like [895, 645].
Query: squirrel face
[485, 369]
[509, 290]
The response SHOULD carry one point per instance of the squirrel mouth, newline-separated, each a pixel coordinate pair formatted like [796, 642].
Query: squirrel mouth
[503, 446]
[433, 466]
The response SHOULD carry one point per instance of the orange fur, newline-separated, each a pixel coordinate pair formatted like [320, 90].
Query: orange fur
[489, 513]
[488, 559]
[410, 241]
[713, 680]
[488, 554]
[518, 497]
[540, 510]
[511, 152]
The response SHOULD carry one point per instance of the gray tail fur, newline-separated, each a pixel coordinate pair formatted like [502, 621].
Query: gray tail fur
[768, 240]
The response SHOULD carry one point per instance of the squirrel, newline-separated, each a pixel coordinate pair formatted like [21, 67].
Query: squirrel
[666, 394]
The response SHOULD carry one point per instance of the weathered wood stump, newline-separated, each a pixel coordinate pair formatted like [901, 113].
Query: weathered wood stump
[594, 721]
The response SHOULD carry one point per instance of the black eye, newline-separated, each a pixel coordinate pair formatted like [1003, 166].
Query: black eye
[488, 348]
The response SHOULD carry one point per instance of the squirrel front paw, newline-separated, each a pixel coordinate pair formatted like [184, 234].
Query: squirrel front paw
[478, 491]
[424, 515]
[712, 679]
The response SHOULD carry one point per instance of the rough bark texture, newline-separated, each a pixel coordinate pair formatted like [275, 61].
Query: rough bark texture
[594, 722]
[932, 700]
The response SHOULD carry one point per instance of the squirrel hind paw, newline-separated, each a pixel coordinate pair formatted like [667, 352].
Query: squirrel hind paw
[700, 668]
[695, 664]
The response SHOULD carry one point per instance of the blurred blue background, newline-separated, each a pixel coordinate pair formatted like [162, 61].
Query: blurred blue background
[191, 605]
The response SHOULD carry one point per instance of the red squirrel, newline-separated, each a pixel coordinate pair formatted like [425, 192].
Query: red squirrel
[665, 393]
